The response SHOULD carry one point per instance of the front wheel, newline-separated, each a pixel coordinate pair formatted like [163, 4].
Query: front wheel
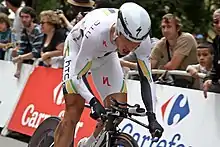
[44, 134]
[121, 140]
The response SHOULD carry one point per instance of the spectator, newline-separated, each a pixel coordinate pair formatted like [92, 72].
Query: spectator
[17, 27]
[212, 80]
[82, 6]
[82, 3]
[4, 10]
[31, 39]
[5, 34]
[54, 38]
[199, 38]
[204, 56]
[180, 47]
[176, 50]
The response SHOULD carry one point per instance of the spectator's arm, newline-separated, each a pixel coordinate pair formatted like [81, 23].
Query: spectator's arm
[51, 54]
[57, 52]
[193, 70]
[153, 63]
[26, 56]
[175, 62]
[128, 61]
[128, 64]
[69, 26]
[3, 45]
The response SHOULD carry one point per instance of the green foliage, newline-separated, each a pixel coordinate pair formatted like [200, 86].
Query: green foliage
[195, 14]
[46, 5]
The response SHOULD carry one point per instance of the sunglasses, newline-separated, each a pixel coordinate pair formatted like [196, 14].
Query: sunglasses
[43, 22]
[216, 21]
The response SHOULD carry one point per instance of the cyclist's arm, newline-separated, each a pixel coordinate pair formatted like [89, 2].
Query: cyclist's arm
[147, 86]
[83, 65]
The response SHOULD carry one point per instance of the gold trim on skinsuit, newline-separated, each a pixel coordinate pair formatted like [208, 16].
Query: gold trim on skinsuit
[145, 70]
[70, 88]
[85, 69]
[124, 87]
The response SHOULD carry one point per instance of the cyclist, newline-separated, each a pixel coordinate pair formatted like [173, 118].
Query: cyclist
[91, 46]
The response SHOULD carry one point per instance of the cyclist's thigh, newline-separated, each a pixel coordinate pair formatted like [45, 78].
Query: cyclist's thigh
[108, 75]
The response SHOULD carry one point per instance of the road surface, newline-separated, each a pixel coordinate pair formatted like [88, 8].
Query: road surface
[10, 142]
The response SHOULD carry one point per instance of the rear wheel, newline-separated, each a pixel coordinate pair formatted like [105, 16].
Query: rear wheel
[44, 134]
[122, 140]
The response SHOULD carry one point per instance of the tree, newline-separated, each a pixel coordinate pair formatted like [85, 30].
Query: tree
[195, 15]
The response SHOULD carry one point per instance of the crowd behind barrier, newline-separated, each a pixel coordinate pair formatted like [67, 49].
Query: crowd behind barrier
[28, 39]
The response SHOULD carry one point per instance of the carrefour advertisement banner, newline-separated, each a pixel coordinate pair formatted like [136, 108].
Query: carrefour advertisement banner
[189, 120]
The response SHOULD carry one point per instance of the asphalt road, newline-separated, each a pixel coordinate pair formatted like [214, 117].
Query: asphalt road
[10, 142]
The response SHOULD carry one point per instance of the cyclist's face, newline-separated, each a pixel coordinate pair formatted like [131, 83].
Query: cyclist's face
[125, 46]
[216, 22]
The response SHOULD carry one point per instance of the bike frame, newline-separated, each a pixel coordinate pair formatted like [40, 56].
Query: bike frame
[110, 128]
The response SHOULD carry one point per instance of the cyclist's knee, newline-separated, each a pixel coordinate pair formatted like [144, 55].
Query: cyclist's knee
[74, 108]
[120, 97]
[100, 124]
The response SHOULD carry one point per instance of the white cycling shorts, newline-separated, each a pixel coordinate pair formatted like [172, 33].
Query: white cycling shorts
[106, 71]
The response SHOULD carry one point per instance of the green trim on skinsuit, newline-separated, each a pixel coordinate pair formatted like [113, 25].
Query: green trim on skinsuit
[72, 84]
[145, 70]
[85, 69]
[67, 50]
[69, 87]
[123, 88]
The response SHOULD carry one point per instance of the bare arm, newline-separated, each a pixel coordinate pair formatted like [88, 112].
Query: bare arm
[128, 64]
[153, 63]
[66, 21]
[57, 52]
[175, 62]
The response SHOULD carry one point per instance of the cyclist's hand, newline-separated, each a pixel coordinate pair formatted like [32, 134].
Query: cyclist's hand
[155, 128]
[96, 108]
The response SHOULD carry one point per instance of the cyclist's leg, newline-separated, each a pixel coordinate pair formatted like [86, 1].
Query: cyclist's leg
[120, 97]
[74, 103]
[109, 80]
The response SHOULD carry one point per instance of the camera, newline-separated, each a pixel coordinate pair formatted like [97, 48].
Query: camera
[58, 11]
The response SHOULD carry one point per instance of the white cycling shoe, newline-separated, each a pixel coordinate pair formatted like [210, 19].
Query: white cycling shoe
[82, 142]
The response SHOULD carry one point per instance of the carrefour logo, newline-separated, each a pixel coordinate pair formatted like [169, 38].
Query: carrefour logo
[175, 109]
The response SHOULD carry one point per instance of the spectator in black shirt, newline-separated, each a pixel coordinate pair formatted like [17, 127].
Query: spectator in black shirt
[54, 38]
[212, 80]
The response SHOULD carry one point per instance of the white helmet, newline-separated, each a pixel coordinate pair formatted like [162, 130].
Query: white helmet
[133, 22]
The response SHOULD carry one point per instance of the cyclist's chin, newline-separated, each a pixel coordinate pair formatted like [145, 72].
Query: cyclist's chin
[123, 52]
